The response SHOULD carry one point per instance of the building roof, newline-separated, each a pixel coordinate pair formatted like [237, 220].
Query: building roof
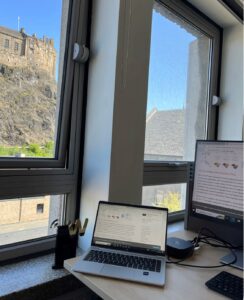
[165, 132]
[11, 32]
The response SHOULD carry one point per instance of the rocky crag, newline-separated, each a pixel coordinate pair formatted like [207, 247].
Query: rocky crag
[28, 100]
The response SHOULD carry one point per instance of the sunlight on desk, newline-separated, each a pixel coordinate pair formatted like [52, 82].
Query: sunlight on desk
[181, 282]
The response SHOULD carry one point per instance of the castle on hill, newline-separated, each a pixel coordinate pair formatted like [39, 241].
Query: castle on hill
[17, 49]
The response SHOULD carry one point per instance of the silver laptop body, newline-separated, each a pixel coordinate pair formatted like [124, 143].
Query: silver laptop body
[135, 231]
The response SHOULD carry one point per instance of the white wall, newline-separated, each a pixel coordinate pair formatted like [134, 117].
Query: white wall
[116, 111]
[98, 135]
[231, 88]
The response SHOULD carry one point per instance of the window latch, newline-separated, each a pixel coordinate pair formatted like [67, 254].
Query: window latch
[216, 101]
[80, 53]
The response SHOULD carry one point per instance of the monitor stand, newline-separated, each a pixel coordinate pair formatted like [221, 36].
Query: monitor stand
[228, 258]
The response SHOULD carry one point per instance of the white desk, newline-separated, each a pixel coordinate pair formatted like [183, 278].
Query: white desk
[181, 282]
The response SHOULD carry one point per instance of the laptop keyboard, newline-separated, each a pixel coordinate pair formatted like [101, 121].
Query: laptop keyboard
[129, 261]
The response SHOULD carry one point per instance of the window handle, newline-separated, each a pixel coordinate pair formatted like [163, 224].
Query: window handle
[80, 53]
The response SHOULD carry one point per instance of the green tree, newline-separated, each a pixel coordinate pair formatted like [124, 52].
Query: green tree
[171, 200]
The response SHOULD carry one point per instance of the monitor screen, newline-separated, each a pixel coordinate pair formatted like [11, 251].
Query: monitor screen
[216, 196]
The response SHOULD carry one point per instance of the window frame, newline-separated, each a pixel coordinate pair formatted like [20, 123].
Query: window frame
[173, 172]
[63, 159]
[25, 177]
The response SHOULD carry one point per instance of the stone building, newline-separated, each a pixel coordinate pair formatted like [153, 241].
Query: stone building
[23, 210]
[17, 49]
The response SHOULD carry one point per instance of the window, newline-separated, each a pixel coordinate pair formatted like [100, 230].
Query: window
[6, 43]
[42, 110]
[171, 196]
[32, 43]
[183, 74]
[40, 208]
[16, 46]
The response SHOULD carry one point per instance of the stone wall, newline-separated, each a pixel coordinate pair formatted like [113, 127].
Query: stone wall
[24, 210]
[18, 49]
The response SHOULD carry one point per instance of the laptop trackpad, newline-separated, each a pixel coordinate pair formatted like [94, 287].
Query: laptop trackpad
[117, 272]
[87, 267]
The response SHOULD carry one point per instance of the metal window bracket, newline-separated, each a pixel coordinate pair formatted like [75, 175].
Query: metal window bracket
[80, 53]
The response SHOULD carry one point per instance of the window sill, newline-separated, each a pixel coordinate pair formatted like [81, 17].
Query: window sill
[35, 279]
[26, 274]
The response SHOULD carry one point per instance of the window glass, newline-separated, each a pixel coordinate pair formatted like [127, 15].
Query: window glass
[24, 219]
[178, 88]
[31, 46]
[171, 196]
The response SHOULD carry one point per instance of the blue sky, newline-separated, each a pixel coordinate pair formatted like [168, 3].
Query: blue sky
[36, 16]
[168, 64]
[169, 46]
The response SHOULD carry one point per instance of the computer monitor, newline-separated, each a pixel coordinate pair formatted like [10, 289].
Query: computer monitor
[215, 190]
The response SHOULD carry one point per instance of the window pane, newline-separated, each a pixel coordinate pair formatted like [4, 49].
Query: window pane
[31, 45]
[178, 88]
[24, 219]
[171, 196]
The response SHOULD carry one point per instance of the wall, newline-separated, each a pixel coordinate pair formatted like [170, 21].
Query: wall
[231, 90]
[23, 210]
[97, 148]
[130, 101]
[113, 161]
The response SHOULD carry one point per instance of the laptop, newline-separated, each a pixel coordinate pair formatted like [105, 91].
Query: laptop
[128, 243]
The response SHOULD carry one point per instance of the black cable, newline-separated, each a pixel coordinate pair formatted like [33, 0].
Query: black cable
[207, 239]
[203, 267]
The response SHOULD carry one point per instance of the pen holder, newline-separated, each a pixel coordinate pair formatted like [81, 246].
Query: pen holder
[65, 246]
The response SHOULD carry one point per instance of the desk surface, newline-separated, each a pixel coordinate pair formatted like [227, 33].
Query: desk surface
[181, 282]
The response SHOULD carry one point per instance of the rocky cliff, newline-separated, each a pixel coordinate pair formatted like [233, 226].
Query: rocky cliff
[27, 106]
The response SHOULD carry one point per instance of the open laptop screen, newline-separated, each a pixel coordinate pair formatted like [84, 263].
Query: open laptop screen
[126, 226]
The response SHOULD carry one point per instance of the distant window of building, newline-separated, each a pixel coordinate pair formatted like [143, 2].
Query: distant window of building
[6, 43]
[31, 44]
[16, 46]
[40, 208]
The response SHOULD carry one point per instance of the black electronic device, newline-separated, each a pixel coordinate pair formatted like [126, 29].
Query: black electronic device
[179, 248]
[65, 246]
[227, 284]
[215, 190]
